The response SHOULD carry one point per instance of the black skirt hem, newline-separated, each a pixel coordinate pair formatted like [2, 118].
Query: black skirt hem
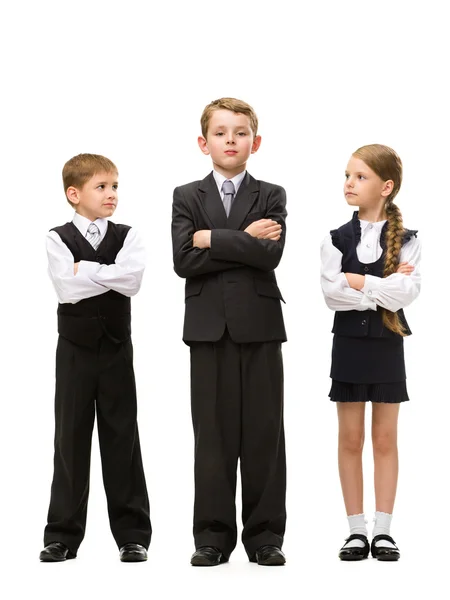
[386, 393]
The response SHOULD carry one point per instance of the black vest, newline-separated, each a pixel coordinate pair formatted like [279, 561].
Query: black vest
[368, 323]
[108, 314]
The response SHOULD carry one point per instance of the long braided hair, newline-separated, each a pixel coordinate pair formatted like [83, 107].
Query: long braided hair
[386, 163]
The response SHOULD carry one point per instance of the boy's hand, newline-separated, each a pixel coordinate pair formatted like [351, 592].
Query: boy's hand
[265, 229]
[75, 268]
[405, 268]
[202, 239]
[355, 281]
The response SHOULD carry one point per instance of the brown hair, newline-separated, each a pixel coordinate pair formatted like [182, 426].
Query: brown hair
[386, 163]
[79, 169]
[233, 104]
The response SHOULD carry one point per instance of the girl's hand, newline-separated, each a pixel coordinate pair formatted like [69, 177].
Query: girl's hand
[355, 281]
[405, 268]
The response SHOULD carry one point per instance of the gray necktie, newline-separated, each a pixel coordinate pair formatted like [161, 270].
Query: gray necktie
[93, 235]
[228, 195]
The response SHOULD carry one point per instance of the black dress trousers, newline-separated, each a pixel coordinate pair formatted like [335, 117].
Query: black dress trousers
[88, 381]
[237, 412]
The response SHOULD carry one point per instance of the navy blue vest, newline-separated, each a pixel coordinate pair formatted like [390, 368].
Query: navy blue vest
[85, 322]
[369, 323]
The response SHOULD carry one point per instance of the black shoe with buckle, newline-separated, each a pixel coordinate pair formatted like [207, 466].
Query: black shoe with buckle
[355, 552]
[384, 552]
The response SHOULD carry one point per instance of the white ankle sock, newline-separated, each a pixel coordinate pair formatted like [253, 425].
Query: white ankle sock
[382, 525]
[357, 524]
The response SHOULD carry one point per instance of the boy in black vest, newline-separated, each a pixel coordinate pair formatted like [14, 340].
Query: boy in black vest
[95, 267]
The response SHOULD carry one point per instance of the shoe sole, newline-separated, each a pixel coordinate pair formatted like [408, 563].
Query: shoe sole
[133, 559]
[387, 558]
[351, 558]
[200, 561]
[50, 559]
[273, 561]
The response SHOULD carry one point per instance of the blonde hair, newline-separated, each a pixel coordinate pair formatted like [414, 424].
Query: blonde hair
[79, 169]
[386, 163]
[233, 104]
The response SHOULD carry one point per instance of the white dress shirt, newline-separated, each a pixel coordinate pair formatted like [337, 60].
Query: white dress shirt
[237, 180]
[393, 292]
[92, 278]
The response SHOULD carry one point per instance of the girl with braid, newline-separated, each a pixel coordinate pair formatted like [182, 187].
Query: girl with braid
[370, 272]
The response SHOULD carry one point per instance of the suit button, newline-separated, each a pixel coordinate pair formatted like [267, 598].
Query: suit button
[366, 269]
[363, 322]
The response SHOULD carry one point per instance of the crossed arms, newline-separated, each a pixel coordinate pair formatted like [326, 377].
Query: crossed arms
[76, 281]
[260, 245]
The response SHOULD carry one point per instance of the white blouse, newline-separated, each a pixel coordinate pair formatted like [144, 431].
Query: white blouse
[393, 292]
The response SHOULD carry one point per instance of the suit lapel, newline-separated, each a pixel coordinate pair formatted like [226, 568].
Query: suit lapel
[245, 198]
[213, 205]
[212, 202]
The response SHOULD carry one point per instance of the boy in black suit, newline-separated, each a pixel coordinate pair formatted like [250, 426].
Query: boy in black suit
[228, 234]
[95, 267]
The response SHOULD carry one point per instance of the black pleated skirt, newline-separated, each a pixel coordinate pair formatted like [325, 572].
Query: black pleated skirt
[364, 369]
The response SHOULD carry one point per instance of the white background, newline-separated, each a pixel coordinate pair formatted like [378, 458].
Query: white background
[129, 80]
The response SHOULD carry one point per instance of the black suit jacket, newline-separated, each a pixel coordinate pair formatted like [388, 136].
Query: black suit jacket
[232, 283]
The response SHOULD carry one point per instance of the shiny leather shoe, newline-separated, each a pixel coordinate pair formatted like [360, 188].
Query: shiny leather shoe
[269, 556]
[56, 552]
[133, 553]
[355, 552]
[383, 552]
[207, 556]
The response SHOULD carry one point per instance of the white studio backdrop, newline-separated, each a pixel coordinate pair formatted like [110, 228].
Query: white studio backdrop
[129, 80]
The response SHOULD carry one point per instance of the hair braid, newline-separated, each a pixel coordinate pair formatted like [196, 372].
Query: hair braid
[394, 237]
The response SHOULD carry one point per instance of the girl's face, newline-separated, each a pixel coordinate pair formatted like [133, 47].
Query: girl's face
[363, 187]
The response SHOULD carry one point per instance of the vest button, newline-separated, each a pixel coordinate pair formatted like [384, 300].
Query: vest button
[363, 322]
[366, 269]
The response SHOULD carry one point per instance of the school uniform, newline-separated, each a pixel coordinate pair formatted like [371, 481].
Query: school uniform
[367, 357]
[234, 327]
[94, 375]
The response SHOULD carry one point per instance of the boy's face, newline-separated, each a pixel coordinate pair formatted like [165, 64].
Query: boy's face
[363, 187]
[98, 197]
[229, 141]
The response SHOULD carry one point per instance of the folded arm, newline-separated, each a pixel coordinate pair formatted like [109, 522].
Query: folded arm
[125, 275]
[70, 288]
[242, 247]
[189, 260]
[397, 290]
[336, 290]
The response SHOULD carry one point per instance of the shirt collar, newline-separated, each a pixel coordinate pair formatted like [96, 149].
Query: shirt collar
[237, 180]
[82, 224]
[378, 225]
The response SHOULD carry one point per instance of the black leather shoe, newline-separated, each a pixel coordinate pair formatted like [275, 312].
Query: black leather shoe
[133, 553]
[207, 556]
[56, 552]
[269, 556]
[383, 552]
[355, 552]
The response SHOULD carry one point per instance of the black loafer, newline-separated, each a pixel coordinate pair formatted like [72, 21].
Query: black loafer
[56, 552]
[207, 556]
[133, 553]
[383, 552]
[355, 552]
[269, 556]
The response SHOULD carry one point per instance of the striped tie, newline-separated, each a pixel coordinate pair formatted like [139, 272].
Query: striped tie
[93, 235]
[228, 195]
